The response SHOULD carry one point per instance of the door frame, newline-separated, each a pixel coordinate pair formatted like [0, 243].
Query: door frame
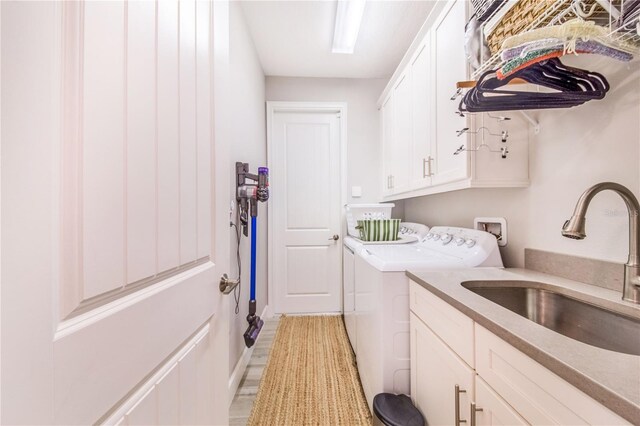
[286, 106]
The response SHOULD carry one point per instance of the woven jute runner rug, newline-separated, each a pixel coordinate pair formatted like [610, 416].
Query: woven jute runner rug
[310, 377]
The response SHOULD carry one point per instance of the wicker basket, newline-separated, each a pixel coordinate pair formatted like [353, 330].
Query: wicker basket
[484, 9]
[517, 20]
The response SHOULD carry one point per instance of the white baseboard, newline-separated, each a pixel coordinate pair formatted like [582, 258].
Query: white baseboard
[241, 365]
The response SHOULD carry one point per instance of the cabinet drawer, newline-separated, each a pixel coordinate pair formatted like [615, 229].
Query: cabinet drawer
[451, 325]
[539, 395]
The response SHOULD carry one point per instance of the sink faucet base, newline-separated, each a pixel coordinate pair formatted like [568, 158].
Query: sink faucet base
[631, 289]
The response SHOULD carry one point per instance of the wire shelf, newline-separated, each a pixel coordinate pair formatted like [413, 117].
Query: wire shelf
[605, 13]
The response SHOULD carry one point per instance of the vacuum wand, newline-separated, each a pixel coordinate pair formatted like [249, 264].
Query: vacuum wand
[248, 196]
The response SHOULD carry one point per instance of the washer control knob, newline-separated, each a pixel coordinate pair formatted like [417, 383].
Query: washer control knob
[445, 238]
[470, 243]
[429, 235]
[436, 237]
[459, 241]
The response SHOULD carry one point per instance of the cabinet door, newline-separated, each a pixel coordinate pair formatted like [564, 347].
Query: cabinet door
[400, 150]
[348, 295]
[386, 118]
[422, 116]
[495, 410]
[450, 67]
[435, 372]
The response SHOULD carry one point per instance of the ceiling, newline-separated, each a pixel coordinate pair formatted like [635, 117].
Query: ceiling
[294, 38]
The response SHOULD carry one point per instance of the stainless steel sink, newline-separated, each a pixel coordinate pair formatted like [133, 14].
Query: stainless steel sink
[571, 317]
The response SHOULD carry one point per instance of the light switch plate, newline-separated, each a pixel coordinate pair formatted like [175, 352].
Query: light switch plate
[356, 191]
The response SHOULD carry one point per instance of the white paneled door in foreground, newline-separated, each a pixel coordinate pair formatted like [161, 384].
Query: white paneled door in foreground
[305, 255]
[109, 290]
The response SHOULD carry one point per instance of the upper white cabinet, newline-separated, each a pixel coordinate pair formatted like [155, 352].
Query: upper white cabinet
[386, 120]
[420, 127]
[401, 149]
[450, 67]
[422, 107]
[396, 131]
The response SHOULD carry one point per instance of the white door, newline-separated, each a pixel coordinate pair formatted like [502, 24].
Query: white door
[110, 306]
[305, 211]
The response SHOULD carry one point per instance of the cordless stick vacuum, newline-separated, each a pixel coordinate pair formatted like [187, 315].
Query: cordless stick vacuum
[248, 196]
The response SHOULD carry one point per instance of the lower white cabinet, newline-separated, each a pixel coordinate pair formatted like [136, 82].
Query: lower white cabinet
[492, 410]
[506, 388]
[442, 383]
[539, 395]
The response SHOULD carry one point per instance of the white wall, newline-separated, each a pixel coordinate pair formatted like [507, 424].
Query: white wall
[363, 152]
[248, 145]
[576, 148]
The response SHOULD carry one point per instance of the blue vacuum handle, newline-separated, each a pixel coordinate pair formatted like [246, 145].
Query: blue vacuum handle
[254, 232]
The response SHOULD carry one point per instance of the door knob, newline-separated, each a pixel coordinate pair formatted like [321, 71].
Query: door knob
[335, 237]
[227, 285]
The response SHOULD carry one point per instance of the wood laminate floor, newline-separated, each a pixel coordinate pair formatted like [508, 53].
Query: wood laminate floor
[243, 400]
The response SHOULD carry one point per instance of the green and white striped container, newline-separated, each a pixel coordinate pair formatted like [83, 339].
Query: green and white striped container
[378, 229]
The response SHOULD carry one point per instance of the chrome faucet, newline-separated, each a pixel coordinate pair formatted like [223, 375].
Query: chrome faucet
[574, 228]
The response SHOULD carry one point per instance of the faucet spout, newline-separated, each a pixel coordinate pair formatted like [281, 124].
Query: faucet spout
[575, 228]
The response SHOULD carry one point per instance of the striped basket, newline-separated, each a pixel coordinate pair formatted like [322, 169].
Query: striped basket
[378, 229]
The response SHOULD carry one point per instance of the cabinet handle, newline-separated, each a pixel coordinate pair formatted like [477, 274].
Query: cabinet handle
[392, 181]
[429, 161]
[457, 405]
[474, 410]
[424, 163]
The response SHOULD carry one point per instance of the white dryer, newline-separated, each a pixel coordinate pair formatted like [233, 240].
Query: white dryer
[381, 298]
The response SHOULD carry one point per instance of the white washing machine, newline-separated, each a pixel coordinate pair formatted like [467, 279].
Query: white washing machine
[410, 233]
[381, 298]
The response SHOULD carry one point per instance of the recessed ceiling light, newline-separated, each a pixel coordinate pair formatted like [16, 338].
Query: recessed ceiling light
[348, 20]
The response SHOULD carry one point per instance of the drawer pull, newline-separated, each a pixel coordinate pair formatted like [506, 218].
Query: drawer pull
[474, 410]
[457, 405]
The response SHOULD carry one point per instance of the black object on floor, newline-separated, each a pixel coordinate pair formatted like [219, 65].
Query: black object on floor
[396, 410]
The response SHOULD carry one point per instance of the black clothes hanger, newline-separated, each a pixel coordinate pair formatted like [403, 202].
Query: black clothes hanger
[571, 87]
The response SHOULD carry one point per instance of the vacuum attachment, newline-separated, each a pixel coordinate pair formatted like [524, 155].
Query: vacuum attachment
[255, 325]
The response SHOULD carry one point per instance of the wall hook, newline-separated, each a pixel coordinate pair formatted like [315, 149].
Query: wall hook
[503, 150]
[504, 135]
[495, 117]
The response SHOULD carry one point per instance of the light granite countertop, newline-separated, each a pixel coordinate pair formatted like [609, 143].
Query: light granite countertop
[611, 378]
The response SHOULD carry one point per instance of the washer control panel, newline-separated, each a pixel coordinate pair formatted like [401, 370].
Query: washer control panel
[464, 243]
